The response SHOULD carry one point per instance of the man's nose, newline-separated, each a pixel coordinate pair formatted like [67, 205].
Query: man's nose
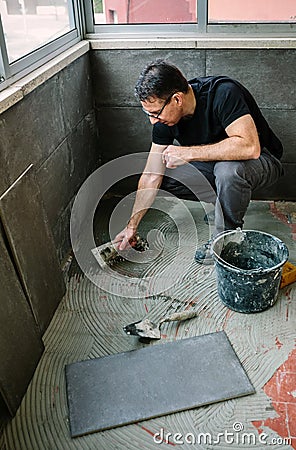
[153, 120]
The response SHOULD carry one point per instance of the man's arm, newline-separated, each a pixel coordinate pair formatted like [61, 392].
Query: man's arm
[242, 143]
[148, 186]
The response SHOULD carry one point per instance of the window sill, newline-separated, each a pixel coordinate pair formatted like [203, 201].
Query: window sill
[18, 90]
[100, 42]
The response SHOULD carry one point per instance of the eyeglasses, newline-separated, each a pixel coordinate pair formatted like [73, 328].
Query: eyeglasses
[162, 108]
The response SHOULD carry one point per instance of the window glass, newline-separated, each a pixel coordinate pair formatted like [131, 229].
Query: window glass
[225, 11]
[29, 24]
[144, 11]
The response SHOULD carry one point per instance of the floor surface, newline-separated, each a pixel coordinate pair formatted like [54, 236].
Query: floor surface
[89, 324]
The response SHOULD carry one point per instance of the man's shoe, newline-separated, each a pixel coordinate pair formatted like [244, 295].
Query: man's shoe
[203, 254]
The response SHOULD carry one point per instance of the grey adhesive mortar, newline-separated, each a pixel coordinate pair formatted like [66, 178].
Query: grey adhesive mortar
[88, 324]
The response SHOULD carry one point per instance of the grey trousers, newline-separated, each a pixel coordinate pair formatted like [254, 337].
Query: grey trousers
[228, 185]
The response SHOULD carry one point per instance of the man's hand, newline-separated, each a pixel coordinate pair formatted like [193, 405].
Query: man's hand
[174, 156]
[123, 238]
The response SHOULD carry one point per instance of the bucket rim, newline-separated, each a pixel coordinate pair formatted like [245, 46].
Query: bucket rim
[218, 258]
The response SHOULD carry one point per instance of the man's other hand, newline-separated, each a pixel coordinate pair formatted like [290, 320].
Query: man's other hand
[174, 156]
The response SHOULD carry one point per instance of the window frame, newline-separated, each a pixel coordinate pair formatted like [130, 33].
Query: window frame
[81, 15]
[202, 27]
[11, 72]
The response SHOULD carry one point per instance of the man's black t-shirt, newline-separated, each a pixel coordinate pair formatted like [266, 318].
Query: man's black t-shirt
[219, 101]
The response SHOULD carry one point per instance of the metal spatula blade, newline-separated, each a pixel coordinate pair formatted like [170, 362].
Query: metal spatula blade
[150, 330]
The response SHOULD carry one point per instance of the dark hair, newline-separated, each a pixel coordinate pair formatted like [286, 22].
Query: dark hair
[160, 79]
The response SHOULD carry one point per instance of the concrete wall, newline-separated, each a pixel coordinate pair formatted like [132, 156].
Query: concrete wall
[269, 74]
[54, 128]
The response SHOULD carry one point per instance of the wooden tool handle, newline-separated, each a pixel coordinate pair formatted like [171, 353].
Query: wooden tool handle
[182, 315]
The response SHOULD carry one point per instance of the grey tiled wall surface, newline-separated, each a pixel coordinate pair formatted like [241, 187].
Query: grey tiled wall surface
[61, 174]
[20, 341]
[32, 248]
[269, 74]
[48, 147]
[53, 128]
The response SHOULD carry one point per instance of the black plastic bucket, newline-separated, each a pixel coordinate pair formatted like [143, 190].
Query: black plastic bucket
[248, 267]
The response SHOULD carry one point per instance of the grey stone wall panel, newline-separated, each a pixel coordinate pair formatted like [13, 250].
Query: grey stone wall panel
[20, 341]
[54, 128]
[268, 74]
[32, 128]
[53, 179]
[281, 121]
[4, 176]
[61, 175]
[123, 131]
[32, 247]
[61, 233]
[115, 72]
[85, 151]
[76, 92]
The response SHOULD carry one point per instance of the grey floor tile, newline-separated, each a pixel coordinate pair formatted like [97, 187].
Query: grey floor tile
[131, 386]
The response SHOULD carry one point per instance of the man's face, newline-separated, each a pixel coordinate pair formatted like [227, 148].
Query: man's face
[164, 111]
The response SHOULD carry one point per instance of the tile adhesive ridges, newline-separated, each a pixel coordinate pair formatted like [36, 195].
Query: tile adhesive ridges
[89, 322]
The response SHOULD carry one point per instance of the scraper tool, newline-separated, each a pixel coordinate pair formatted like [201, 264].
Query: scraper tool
[107, 254]
[150, 330]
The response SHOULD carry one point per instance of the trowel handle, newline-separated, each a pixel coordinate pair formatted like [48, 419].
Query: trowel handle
[183, 315]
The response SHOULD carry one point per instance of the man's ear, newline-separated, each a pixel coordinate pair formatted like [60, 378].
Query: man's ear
[178, 97]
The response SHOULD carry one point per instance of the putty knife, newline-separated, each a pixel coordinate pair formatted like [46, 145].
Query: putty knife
[150, 330]
[107, 254]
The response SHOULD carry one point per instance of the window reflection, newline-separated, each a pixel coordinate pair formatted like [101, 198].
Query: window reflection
[29, 24]
[231, 11]
[145, 11]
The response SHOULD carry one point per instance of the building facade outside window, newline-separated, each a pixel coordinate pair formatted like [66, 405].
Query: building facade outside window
[252, 11]
[185, 11]
[34, 31]
[29, 24]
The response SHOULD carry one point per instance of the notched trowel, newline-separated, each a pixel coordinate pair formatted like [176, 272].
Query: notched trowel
[150, 330]
[107, 254]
